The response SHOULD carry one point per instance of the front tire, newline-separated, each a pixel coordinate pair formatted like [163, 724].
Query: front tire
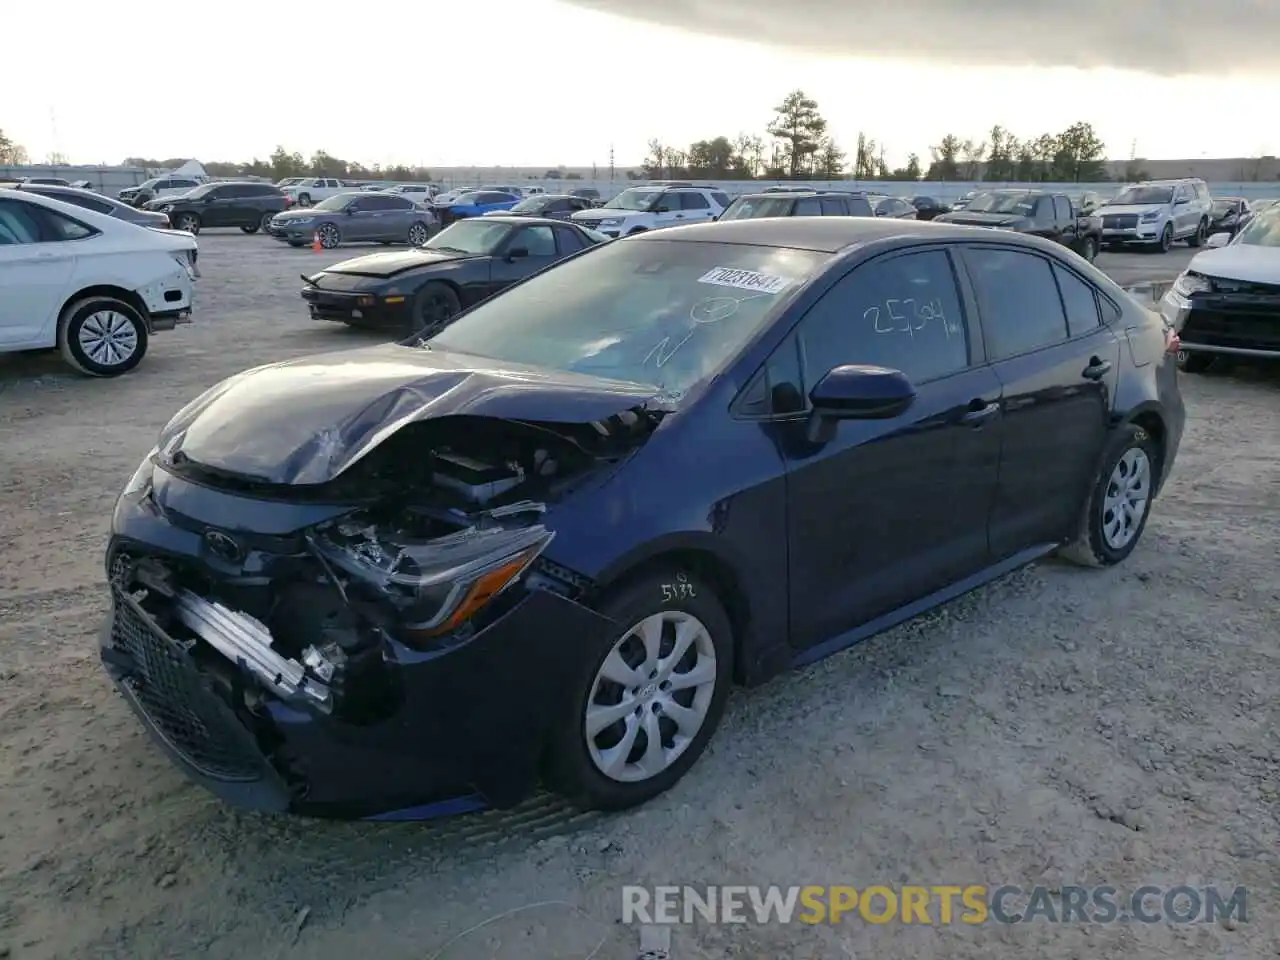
[643, 709]
[102, 336]
[418, 234]
[1119, 502]
[1089, 249]
[433, 307]
[330, 236]
[1166, 238]
[187, 222]
[1202, 231]
[254, 229]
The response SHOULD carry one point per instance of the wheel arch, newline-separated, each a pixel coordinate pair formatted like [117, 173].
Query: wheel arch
[130, 297]
[1150, 418]
[702, 555]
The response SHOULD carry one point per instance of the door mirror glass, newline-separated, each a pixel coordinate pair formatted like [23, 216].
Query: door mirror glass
[857, 392]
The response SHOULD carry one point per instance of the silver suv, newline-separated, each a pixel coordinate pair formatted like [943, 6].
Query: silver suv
[1155, 213]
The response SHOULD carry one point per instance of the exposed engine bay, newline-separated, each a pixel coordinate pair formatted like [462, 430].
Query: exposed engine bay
[445, 533]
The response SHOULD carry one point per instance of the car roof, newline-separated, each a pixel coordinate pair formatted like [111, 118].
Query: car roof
[524, 221]
[820, 234]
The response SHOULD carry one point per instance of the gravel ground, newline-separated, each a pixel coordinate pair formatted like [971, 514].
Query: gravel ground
[1059, 726]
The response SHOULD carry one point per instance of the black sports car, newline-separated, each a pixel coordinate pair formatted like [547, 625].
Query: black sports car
[425, 287]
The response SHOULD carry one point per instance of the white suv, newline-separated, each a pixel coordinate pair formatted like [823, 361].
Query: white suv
[651, 207]
[1155, 213]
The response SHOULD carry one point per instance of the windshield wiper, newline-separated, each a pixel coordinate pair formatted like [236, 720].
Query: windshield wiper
[444, 247]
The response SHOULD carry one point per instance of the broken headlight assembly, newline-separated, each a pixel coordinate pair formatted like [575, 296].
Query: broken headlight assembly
[140, 483]
[435, 584]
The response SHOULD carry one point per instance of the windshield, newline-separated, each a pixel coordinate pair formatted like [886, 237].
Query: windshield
[469, 236]
[289, 181]
[634, 199]
[200, 191]
[748, 208]
[532, 205]
[1223, 206]
[336, 202]
[653, 311]
[1263, 230]
[1019, 203]
[1136, 195]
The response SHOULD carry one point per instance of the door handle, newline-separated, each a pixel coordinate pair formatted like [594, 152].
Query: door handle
[1097, 369]
[980, 411]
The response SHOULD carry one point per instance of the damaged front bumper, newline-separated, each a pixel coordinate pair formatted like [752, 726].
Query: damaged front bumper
[454, 727]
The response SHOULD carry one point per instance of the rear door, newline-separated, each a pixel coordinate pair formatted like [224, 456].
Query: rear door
[696, 207]
[889, 510]
[37, 262]
[1058, 367]
[391, 216]
[1065, 219]
[807, 207]
[568, 241]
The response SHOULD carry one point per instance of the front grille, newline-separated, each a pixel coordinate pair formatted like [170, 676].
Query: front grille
[1248, 288]
[1244, 329]
[176, 698]
[1120, 221]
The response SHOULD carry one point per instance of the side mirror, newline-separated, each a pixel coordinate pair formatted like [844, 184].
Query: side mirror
[857, 392]
[1218, 240]
[517, 253]
[352, 210]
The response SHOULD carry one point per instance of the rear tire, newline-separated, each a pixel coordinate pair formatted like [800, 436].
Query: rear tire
[1089, 249]
[1202, 231]
[679, 606]
[102, 336]
[1119, 502]
[254, 229]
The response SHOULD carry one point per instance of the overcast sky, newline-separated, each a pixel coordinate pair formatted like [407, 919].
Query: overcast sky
[447, 83]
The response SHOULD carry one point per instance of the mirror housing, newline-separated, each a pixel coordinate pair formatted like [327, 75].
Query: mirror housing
[1220, 239]
[351, 210]
[517, 253]
[857, 392]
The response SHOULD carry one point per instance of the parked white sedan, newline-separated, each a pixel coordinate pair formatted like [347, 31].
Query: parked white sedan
[91, 285]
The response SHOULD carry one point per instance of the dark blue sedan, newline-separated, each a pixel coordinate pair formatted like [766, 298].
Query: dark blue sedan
[414, 579]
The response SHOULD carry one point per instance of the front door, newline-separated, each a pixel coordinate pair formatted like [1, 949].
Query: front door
[1058, 367]
[539, 246]
[890, 511]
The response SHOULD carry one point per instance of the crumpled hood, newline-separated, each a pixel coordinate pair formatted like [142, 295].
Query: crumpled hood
[1248, 262]
[305, 421]
[977, 219]
[398, 261]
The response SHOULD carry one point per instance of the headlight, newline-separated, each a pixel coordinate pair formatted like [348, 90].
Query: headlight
[438, 583]
[1151, 217]
[140, 483]
[610, 222]
[1189, 283]
[298, 221]
[165, 207]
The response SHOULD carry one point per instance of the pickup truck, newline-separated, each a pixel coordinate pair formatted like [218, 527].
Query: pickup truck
[311, 190]
[1049, 215]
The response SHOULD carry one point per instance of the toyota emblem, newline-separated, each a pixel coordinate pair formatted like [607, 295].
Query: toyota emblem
[223, 546]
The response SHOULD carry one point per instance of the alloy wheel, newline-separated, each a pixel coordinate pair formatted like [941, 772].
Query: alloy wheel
[650, 696]
[329, 236]
[417, 235]
[1125, 502]
[108, 337]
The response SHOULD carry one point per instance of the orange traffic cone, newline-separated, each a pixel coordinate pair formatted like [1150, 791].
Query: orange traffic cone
[316, 245]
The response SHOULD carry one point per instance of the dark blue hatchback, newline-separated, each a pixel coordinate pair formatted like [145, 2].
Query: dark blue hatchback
[418, 578]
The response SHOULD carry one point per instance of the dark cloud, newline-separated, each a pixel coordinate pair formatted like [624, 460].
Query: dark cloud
[1153, 36]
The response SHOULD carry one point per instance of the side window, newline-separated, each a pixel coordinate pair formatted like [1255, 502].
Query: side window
[1062, 207]
[1202, 191]
[64, 228]
[694, 201]
[1018, 300]
[778, 388]
[833, 207]
[669, 200]
[720, 198]
[18, 223]
[902, 312]
[539, 241]
[860, 207]
[569, 240]
[1080, 301]
[1181, 195]
[1044, 210]
[234, 192]
[807, 207]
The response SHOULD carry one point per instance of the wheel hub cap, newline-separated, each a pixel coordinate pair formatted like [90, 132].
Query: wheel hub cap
[108, 338]
[1125, 503]
[650, 696]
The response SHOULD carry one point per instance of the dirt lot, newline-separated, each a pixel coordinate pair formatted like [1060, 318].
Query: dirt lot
[1059, 726]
